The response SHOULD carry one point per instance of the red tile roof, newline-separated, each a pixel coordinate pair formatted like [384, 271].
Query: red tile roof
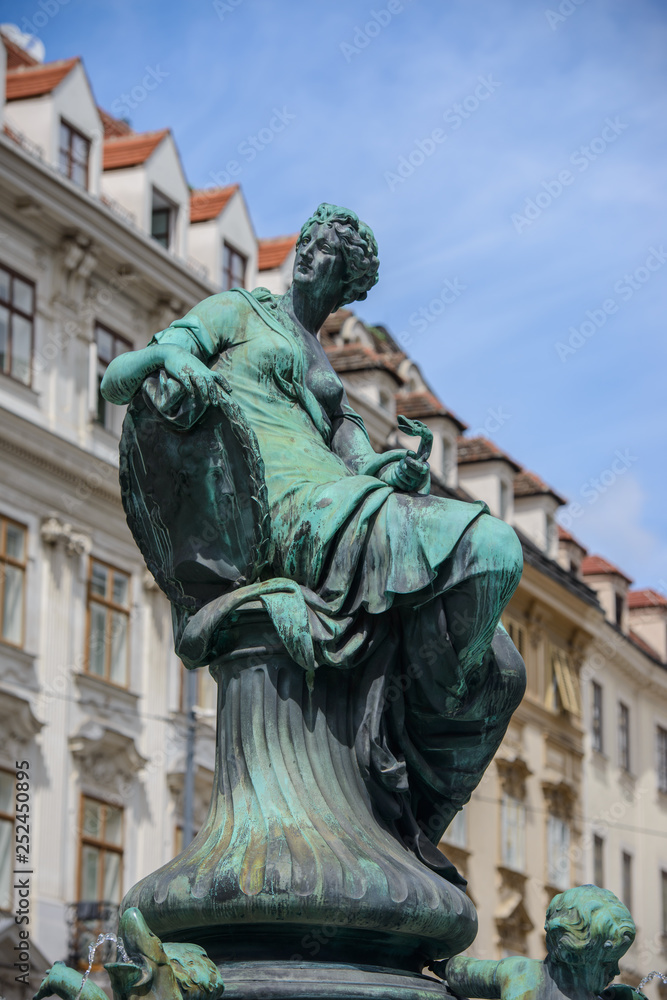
[273, 252]
[528, 484]
[113, 126]
[480, 449]
[31, 81]
[129, 150]
[597, 566]
[209, 202]
[356, 357]
[646, 599]
[565, 536]
[415, 405]
[16, 56]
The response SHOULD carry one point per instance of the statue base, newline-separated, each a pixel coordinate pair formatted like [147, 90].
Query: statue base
[326, 981]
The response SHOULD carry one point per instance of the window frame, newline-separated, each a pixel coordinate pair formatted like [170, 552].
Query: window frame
[519, 809]
[104, 847]
[106, 422]
[555, 822]
[227, 276]
[160, 203]
[598, 860]
[624, 755]
[73, 131]
[29, 317]
[661, 755]
[597, 717]
[110, 606]
[627, 888]
[11, 819]
[18, 564]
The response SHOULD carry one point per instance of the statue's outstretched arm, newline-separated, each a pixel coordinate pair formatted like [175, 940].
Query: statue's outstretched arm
[473, 977]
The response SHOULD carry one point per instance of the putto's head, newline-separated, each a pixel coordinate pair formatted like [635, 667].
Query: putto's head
[589, 928]
[356, 244]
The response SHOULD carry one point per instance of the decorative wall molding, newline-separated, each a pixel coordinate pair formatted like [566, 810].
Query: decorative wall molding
[56, 532]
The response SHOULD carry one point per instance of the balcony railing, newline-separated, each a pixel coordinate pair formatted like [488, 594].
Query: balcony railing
[86, 921]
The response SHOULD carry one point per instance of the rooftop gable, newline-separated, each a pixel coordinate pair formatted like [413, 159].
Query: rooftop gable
[273, 252]
[131, 150]
[598, 566]
[415, 405]
[528, 484]
[208, 203]
[32, 81]
[646, 599]
[480, 449]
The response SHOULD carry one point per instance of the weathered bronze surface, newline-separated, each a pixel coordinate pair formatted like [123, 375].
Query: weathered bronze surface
[350, 619]
[588, 931]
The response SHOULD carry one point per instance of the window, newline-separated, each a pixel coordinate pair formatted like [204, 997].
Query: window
[598, 861]
[618, 607]
[563, 687]
[13, 538]
[101, 853]
[74, 152]
[517, 634]
[17, 315]
[504, 499]
[108, 621]
[6, 838]
[513, 833]
[626, 874]
[109, 345]
[162, 219]
[596, 720]
[558, 853]
[233, 268]
[662, 758]
[623, 736]
[456, 831]
[663, 892]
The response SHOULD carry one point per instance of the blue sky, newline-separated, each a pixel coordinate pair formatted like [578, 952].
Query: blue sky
[513, 149]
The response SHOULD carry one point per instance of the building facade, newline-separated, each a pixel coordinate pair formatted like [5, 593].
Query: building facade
[102, 244]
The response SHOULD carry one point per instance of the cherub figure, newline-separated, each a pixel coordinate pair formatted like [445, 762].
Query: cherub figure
[588, 931]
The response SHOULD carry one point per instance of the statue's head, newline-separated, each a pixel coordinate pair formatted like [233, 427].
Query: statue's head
[352, 242]
[589, 929]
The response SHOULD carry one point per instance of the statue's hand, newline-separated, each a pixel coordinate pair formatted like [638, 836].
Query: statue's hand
[409, 474]
[195, 377]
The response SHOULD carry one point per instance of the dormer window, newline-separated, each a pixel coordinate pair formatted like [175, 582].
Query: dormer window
[74, 152]
[504, 499]
[162, 219]
[233, 268]
[619, 601]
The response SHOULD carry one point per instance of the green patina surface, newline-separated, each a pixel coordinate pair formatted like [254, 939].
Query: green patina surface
[588, 931]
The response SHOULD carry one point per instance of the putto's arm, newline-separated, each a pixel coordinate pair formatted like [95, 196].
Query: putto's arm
[473, 977]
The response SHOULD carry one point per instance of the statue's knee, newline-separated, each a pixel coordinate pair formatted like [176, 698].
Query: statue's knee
[497, 543]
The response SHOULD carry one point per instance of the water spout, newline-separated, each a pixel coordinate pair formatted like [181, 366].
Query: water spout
[101, 939]
[653, 975]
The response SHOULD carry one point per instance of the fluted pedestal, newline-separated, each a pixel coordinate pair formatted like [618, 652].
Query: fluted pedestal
[292, 870]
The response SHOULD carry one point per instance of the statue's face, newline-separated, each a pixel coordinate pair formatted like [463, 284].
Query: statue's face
[319, 260]
[600, 973]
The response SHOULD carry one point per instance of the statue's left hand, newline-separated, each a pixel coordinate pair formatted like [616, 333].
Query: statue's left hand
[195, 377]
[407, 475]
